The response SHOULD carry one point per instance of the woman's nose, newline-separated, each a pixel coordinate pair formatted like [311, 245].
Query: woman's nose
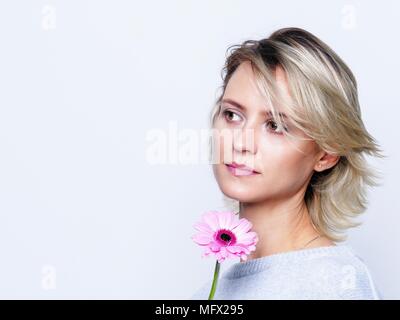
[244, 140]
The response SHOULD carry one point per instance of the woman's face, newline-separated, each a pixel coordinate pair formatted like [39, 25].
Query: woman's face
[257, 141]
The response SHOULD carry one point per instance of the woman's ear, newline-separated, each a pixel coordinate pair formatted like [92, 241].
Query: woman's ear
[326, 161]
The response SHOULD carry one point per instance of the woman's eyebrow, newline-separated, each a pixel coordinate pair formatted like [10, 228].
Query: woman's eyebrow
[242, 107]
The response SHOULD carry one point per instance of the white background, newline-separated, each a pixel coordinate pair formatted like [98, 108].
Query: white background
[83, 214]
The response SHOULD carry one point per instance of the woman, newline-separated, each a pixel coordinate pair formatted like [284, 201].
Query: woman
[289, 146]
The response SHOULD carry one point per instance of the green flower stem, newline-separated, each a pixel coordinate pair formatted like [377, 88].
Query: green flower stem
[215, 280]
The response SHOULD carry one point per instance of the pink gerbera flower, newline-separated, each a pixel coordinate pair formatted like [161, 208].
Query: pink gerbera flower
[224, 235]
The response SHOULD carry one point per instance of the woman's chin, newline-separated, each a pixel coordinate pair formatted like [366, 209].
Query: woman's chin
[237, 188]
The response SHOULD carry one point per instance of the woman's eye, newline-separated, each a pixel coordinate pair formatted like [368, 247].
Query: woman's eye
[274, 127]
[230, 116]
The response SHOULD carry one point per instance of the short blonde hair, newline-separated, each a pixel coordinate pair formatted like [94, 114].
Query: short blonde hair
[324, 105]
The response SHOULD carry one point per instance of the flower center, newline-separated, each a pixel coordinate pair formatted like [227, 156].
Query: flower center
[225, 237]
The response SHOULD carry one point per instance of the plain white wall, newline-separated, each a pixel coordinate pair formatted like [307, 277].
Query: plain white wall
[83, 214]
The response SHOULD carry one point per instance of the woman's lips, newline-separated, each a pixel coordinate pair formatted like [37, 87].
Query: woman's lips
[240, 170]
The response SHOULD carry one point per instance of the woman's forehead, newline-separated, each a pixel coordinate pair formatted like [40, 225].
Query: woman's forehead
[243, 88]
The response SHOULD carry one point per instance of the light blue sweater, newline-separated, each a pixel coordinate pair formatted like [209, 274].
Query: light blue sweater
[331, 272]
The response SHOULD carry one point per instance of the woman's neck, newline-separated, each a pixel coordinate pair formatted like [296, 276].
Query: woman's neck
[281, 226]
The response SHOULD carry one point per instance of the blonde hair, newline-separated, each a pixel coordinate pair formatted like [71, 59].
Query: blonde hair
[324, 105]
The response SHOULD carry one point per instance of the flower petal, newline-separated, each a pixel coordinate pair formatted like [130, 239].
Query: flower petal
[214, 246]
[244, 226]
[247, 238]
[223, 252]
[238, 249]
[228, 220]
[203, 227]
[202, 238]
[234, 249]
[220, 257]
[211, 219]
[207, 252]
[234, 221]
[224, 219]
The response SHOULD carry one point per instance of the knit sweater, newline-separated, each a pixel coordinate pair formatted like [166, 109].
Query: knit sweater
[330, 272]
